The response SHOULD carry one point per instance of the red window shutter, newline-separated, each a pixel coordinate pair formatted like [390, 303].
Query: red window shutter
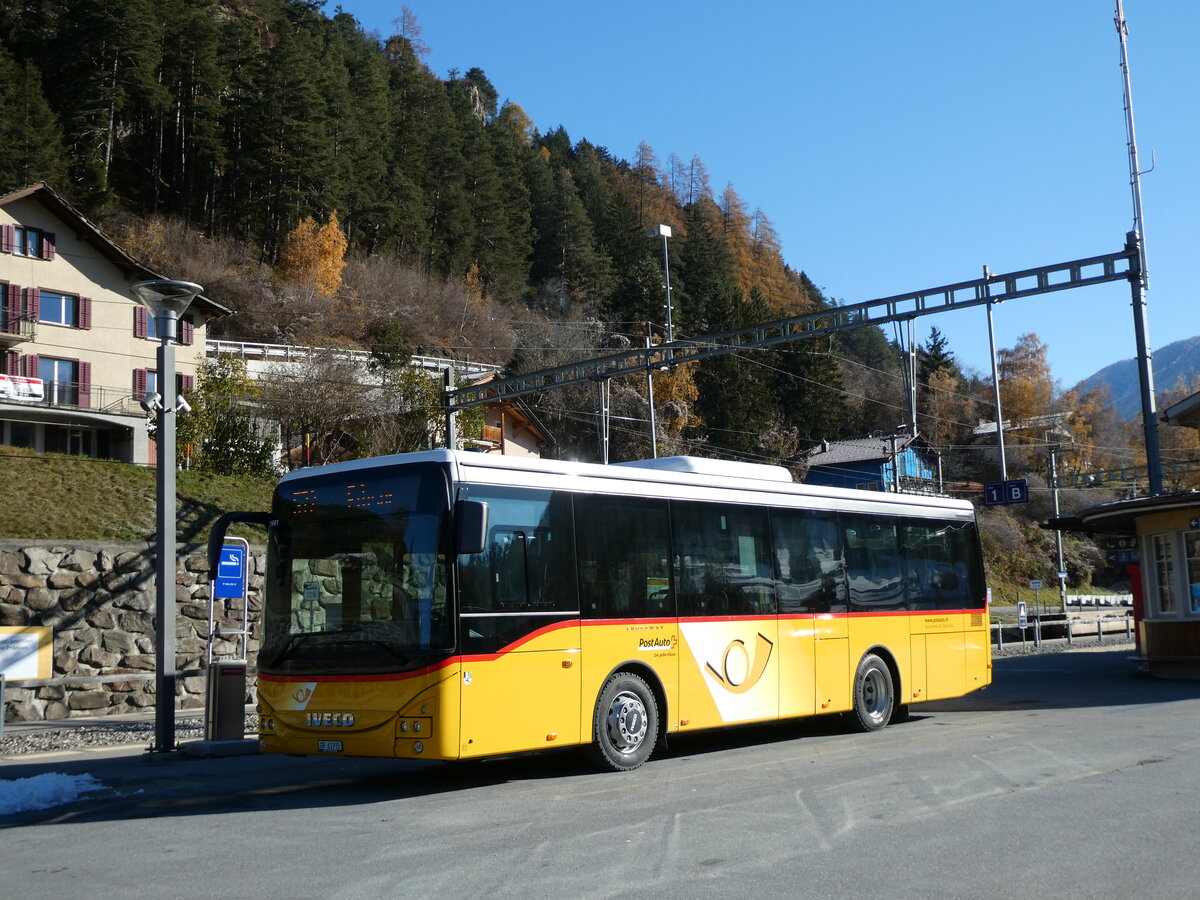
[8, 237]
[139, 383]
[187, 331]
[33, 304]
[187, 384]
[85, 313]
[141, 327]
[85, 384]
[30, 364]
[12, 309]
[12, 363]
[47, 245]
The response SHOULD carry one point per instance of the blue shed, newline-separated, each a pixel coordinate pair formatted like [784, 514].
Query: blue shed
[881, 462]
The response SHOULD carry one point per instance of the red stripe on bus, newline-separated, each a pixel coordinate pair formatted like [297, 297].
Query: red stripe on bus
[571, 623]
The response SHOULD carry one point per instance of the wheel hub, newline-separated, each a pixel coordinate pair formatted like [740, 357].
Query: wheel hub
[626, 722]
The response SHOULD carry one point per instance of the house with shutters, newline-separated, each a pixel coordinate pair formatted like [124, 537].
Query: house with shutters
[78, 350]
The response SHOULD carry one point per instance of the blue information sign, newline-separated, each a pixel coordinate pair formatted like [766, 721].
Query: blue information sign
[999, 493]
[230, 580]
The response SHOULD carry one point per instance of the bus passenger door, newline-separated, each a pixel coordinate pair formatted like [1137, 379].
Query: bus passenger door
[831, 663]
[519, 626]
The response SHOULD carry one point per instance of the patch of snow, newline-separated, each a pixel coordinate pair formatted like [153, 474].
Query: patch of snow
[44, 791]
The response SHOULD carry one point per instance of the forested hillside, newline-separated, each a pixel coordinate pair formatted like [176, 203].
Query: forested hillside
[330, 188]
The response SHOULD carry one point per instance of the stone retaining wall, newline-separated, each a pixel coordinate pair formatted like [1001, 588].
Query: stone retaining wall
[99, 599]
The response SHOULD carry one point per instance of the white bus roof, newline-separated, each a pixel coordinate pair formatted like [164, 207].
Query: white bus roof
[679, 477]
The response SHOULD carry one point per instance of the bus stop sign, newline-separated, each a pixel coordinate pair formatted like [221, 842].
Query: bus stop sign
[230, 581]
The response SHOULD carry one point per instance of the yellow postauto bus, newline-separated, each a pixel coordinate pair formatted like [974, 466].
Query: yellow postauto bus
[446, 605]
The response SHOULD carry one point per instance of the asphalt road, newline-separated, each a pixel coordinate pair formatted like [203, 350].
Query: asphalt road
[1072, 776]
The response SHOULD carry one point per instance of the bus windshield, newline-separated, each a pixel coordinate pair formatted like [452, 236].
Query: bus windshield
[356, 572]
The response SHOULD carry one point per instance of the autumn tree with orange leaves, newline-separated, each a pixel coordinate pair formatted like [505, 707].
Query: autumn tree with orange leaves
[314, 255]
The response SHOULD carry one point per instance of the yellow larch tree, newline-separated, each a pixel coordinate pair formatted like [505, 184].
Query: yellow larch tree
[331, 256]
[314, 255]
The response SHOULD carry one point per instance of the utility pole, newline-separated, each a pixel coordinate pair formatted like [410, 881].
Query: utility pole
[1062, 572]
[1139, 281]
[911, 371]
[996, 382]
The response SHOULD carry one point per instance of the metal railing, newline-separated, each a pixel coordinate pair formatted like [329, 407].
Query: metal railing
[22, 327]
[67, 395]
[288, 353]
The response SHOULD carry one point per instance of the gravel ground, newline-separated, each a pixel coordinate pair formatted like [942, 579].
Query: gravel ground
[82, 734]
[77, 734]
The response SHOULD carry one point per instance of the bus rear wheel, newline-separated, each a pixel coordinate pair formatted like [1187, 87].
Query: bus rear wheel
[625, 725]
[874, 696]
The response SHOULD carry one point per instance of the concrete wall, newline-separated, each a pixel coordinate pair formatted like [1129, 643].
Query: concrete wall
[99, 599]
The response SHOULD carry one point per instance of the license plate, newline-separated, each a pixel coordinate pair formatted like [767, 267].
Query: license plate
[329, 746]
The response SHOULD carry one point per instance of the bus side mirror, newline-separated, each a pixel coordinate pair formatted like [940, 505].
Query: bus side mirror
[470, 526]
[216, 535]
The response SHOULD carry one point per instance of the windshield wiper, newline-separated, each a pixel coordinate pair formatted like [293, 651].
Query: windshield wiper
[336, 639]
[294, 640]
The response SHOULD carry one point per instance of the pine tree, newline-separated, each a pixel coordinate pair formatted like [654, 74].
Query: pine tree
[507, 257]
[934, 356]
[29, 134]
[361, 115]
[411, 89]
[107, 55]
[289, 142]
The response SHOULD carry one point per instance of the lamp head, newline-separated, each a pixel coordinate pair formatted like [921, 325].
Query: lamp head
[151, 402]
[163, 296]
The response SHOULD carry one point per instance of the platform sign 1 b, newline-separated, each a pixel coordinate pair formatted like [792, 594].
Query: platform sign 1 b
[230, 580]
[1001, 493]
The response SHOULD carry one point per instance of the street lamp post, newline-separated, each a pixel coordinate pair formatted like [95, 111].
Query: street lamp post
[166, 301]
[664, 231]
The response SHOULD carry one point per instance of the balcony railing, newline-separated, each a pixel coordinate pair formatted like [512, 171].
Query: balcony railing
[16, 328]
[72, 395]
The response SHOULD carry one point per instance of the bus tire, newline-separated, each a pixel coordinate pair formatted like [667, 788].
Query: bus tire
[874, 696]
[625, 725]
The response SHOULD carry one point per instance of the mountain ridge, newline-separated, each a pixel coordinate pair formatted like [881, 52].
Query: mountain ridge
[1179, 359]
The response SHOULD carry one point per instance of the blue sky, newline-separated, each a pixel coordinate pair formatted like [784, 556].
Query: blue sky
[895, 146]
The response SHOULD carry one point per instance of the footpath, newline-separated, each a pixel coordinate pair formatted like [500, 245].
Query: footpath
[102, 770]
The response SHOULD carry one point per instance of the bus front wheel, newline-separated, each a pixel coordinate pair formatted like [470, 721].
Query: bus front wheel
[625, 726]
[874, 698]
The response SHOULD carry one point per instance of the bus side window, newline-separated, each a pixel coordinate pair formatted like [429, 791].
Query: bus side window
[724, 564]
[623, 551]
[811, 564]
[526, 565]
[874, 562]
[940, 558]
